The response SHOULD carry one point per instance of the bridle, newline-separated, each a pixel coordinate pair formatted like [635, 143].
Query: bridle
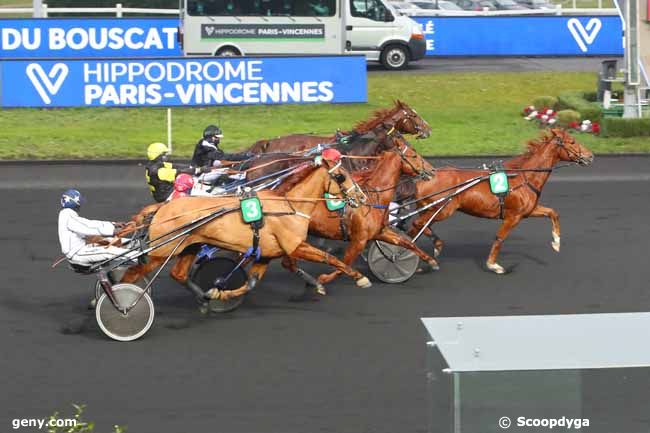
[409, 117]
[576, 157]
[420, 172]
[339, 179]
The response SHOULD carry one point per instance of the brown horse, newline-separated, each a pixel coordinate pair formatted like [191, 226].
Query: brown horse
[359, 225]
[531, 171]
[284, 231]
[401, 117]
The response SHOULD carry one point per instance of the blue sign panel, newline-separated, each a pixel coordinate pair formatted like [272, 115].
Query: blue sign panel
[89, 37]
[182, 81]
[523, 36]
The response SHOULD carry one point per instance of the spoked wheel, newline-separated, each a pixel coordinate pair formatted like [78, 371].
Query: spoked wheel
[391, 263]
[132, 325]
[99, 291]
[213, 273]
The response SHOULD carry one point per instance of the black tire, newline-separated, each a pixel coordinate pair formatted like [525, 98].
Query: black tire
[395, 57]
[206, 272]
[228, 52]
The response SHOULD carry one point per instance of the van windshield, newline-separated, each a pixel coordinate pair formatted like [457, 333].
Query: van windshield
[314, 8]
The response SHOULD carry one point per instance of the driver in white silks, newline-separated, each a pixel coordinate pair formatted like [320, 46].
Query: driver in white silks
[74, 231]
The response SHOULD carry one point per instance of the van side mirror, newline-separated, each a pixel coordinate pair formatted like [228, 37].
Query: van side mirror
[388, 17]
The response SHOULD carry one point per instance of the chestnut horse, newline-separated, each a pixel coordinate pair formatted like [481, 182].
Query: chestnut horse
[531, 170]
[359, 225]
[283, 233]
[401, 117]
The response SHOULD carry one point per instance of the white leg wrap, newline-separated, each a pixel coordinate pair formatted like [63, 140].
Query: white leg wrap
[495, 267]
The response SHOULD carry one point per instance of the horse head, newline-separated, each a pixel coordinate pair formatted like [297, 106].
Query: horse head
[412, 162]
[340, 182]
[569, 149]
[408, 121]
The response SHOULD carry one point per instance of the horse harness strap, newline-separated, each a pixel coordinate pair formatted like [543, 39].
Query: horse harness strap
[344, 230]
[530, 186]
[252, 214]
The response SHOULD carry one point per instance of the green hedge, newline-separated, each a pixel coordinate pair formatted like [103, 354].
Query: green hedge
[619, 127]
[542, 102]
[564, 117]
[578, 101]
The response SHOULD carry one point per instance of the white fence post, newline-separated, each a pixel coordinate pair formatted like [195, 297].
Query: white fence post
[44, 10]
[118, 10]
[37, 10]
[574, 4]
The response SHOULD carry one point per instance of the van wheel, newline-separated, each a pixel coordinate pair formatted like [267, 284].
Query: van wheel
[395, 57]
[228, 52]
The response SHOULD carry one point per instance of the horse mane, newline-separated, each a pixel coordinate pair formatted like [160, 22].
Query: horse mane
[378, 116]
[294, 179]
[532, 146]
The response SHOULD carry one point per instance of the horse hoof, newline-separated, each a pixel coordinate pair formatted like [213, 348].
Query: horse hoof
[364, 283]
[434, 266]
[309, 293]
[496, 268]
[556, 243]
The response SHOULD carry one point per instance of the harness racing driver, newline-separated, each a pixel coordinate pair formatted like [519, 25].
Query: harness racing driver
[208, 153]
[161, 173]
[81, 239]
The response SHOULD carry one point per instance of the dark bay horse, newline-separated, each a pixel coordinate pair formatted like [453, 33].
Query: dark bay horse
[284, 231]
[401, 117]
[370, 221]
[531, 169]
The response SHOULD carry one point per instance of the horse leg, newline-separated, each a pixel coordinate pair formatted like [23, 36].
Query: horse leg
[181, 270]
[134, 273]
[509, 223]
[542, 211]
[388, 235]
[291, 265]
[355, 246]
[255, 274]
[312, 254]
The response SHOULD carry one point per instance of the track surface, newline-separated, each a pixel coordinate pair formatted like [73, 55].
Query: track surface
[352, 362]
[501, 64]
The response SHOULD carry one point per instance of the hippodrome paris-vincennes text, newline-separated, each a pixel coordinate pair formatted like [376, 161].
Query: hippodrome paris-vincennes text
[139, 83]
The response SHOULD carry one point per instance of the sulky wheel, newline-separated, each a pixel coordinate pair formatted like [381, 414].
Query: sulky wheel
[214, 273]
[391, 263]
[125, 327]
[99, 291]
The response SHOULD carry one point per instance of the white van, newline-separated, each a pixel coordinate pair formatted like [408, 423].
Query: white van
[253, 27]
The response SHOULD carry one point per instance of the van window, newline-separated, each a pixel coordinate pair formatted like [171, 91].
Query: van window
[371, 9]
[318, 8]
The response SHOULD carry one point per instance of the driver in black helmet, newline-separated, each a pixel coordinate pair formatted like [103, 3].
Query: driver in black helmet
[207, 151]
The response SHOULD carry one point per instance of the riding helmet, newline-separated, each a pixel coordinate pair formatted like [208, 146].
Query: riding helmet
[212, 131]
[155, 150]
[71, 199]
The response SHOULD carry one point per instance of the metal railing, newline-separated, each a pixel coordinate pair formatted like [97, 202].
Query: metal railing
[118, 10]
